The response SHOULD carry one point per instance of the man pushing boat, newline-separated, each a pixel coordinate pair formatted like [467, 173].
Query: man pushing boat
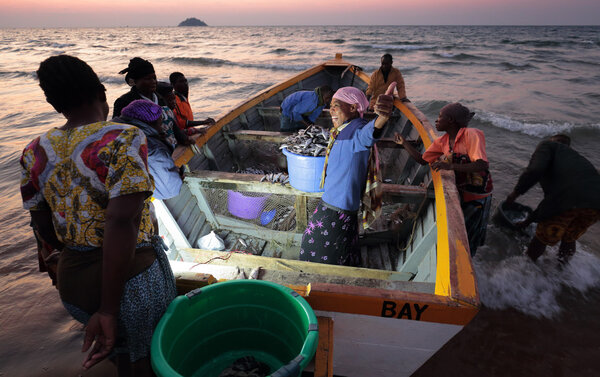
[571, 203]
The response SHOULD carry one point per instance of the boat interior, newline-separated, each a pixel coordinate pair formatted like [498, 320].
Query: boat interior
[398, 251]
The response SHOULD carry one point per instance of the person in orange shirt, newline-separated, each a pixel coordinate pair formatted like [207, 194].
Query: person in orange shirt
[382, 78]
[183, 110]
[462, 150]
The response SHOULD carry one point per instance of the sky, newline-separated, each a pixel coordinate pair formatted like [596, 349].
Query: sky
[106, 13]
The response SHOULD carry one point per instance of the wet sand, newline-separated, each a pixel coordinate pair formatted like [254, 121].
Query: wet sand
[510, 343]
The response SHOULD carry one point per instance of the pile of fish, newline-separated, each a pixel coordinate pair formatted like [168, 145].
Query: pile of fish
[282, 178]
[276, 178]
[251, 171]
[311, 141]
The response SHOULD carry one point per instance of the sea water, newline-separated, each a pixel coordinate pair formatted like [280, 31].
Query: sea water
[524, 83]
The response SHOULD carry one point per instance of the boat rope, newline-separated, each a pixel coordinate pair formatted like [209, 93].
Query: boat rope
[225, 257]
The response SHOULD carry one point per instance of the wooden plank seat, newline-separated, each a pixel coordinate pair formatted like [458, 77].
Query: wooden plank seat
[252, 183]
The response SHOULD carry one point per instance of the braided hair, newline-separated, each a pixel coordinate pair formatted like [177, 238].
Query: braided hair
[69, 82]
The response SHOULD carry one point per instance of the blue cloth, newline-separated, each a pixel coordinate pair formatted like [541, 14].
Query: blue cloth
[167, 182]
[346, 173]
[288, 125]
[302, 102]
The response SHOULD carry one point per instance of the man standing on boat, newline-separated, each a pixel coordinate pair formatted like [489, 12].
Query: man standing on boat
[183, 110]
[382, 78]
[301, 109]
[571, 202]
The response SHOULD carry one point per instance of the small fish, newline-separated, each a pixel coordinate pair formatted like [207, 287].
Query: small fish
[241, 275]
[311, 141]
[255, 273]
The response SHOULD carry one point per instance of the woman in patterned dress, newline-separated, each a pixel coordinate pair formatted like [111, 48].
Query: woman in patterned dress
[87, 186]
[331, 236]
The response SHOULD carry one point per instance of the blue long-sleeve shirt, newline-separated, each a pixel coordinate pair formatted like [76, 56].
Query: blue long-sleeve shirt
[347, 165]
[302, 102]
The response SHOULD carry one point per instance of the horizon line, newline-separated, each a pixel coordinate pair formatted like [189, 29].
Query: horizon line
[296, 25]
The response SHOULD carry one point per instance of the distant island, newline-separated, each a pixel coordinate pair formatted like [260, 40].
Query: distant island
[192, 22]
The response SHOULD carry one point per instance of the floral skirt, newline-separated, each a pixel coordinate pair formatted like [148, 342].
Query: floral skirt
[331, 237]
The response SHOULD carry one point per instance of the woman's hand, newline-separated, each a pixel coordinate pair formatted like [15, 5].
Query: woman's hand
[101, 328]
[210, 121]
[399, 139]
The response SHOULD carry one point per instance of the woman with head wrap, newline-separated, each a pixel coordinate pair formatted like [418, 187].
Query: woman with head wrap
[142, 78]
[148, 117]
[87, 187]
[332, 234]
[462, 150]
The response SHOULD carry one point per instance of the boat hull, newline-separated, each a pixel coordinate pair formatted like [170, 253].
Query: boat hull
[384, 347]
[385, 319]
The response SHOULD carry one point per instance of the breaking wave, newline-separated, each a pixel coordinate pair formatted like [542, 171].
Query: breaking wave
[405, 47]
[279, 51]
[533, 43]
[394, 46]
[460, 56]
[516, 66]
[535, 288]
[214, 62]
[18, 74]
[533, 129]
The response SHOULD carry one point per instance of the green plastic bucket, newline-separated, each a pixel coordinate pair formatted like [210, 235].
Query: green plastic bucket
[205, 331]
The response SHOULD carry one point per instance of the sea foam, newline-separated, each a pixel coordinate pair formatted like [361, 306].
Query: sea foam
[403, 47]
[535, 288]
[542, 130]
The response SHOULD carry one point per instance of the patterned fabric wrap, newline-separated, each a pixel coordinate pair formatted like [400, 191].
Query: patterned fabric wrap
[143, 110]
[74, 173]
[331, 237]
[372, 198]
[567, 226]
[145, 299]
[332, 136]
[167, 126]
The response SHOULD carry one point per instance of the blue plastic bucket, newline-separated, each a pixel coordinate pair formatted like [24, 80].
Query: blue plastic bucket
[304, 171]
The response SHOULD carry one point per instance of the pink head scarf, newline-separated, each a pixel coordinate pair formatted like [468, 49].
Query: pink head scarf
[353, 96]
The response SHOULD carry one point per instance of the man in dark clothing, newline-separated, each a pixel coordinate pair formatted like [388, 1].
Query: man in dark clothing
[142, 78]
[571, 202]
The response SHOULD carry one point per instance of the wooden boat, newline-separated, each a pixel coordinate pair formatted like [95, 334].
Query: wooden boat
[416, 288]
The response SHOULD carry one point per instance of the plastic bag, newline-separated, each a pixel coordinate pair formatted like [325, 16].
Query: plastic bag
[211, 242]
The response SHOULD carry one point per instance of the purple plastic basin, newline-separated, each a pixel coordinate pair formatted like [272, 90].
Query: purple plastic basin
[245, 207]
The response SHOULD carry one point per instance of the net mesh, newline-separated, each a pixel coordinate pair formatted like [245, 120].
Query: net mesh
[270, 211]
